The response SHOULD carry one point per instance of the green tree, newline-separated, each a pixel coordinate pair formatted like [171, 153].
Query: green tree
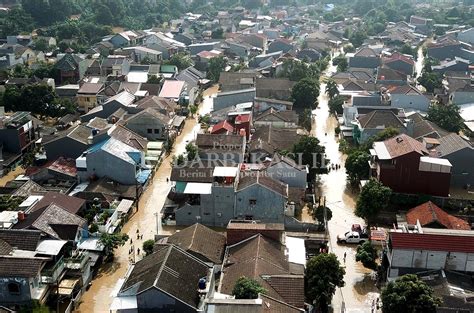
[181, 60]
[319, 213]
[373, 198]
[430, 81]
[191, 151]
[112, 241]
[331, 88]
[217, 33]
[407, 49]
[307, 151]
[367, 255]
[357, 166]
[216, 66]
[247, 288]
[385, 134]
[153, 79]
[41, 44]
[446, 116]
[323, 274]
[305, 94]
[305, 119]
[148, 246]
[409, 294]
[342, 65]
[335, 104]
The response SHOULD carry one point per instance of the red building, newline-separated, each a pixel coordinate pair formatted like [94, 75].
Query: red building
[403, 164]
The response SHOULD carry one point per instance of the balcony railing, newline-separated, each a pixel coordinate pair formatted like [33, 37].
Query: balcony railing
[51, 275]
[77, 262]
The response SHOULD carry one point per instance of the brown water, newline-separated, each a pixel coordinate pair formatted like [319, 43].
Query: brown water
[147, 219]
[359, 290]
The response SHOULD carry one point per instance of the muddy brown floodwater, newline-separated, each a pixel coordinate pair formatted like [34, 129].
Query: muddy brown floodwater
[147, 219]
[359, 291]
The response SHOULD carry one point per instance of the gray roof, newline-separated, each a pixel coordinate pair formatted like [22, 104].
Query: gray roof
[424, 128]
[262, 179]
[22, 239]
[20, 267]
[170, 270]
[81, 133]
[380, 118]
[452, 143]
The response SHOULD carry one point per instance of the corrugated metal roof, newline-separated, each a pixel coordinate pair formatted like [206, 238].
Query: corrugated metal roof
[449, 243]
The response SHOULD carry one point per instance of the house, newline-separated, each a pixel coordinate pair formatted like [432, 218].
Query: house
[69, 203]
[422, 128]
[460, 154]
[223, 127]
[444, 48]
[13, 54]
[403, 164]
[123, 99]
[266, 140]
[105, 158]
[460, 90]
[71, 68]
[253, 39]
[221, 147]
[172, 89]
[432, 249]
[387, 76]
[168, 280]
[400, 62]
[200, 241]
[280, 44]
[232, 98]
[196, 48]
[150, 124]
[192, 77]
[164, 106]
[455, 65]
[125, 38]
[231, 81]
[260, 197]
[115, 65]
[263, 303]
[237, 49]
[364, 58]
[17, 135]
[87, 96]
[409, 97]
[467, 36]
[274, 88]
[184, 38]
[263, 104]
[430, 215]
[168, 71]
[144, 54]
[264, 60]
[240, 230]
[308, 54]
[287, 171]
[263, 260]
[370, 124]
[271, 116]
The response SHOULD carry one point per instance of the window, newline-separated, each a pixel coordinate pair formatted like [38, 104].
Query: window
[157, 131]
[149, 130]
[252, 201]
[14, 288]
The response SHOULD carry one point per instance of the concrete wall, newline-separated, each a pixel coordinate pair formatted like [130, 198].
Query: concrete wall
[269, 207]
[423, 259]
[8, 298]
[154, 300]
[460, 97]
[144, 123]
[417, 102]
[462, 172]
[102, 163]
[288, 175]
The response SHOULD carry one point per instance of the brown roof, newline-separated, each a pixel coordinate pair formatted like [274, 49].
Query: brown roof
[21, 239]
[203, 242]
[193, 173]
[380, 118]
[270, 114]
[90, 88]
[127, 136]
[273, 138]
[5, 248]
[233, 142]
[271, 305]
[29, 188]
[404, 144]
[20, 267]
[71, 204]
[274, 84]
[425, 128]
[262, 179]
[428, 213]
[365, 52]
[263, 260]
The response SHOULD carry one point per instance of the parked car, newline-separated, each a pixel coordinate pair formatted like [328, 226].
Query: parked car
[353, 237]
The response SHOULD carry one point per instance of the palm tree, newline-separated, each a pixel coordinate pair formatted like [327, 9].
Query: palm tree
[331, 89]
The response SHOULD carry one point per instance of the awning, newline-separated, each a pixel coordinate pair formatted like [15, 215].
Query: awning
[50, 247]
[124, 206]
[66, 286]
[124, 303]
[180, 186]
[225, 171]
[143, 175]
[154, 145]
[198, 188]
[91, 244]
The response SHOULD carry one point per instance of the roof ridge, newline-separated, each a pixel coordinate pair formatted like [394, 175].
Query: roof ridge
[162, 265]
[433, 211]
[194, 234]
[257, 256]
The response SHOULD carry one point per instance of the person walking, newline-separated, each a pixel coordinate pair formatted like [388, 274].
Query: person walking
[138, 251]
[345, 254]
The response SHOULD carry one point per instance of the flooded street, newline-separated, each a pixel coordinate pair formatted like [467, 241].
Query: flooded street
[147, 219]
[358, 293]
[420, 59]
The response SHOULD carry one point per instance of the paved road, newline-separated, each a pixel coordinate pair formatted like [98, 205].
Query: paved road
[146, 219]
[359, 291]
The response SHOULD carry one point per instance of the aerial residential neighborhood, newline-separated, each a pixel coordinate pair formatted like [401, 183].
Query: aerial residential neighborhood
[237, 156]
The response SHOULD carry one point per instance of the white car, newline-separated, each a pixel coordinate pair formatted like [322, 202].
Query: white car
[352, 237]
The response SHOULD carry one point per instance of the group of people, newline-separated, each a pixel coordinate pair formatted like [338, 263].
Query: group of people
[132, 247]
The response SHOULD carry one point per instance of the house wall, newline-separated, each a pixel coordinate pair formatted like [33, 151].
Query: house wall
[65, 147]
[279, 46]
[417, 102]
[153, 300]
[462, 97]
[102, 163]
[445, 52]
[118, 41]
[10, 139]
[462, 172]
[422, 259]
[467, 36]
[269, 207]
[238, 50]
[404, 177]
[86, 102]
[145, 123]
[8, 298]
[401, 66]
[262, 105]
[288, 175]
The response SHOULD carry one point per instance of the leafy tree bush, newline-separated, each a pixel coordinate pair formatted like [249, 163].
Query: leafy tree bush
[318, 214]
[323, 275]
[357, 166]
[367, 255]
[335, 104]
[112, 241]
[409, 294]
[148, 246]
[307, 150]
[247, 288]
[373, 197]
[305, 94]
[216, 66]
[446, 116]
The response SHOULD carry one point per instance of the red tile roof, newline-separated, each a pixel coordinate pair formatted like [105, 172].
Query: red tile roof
[449, 243]
[224, 125]
[171, 89]
[398, 56]
[429, 212]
